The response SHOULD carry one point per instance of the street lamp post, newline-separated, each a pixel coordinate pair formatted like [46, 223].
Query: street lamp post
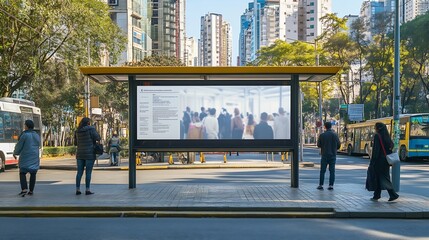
[396, 169]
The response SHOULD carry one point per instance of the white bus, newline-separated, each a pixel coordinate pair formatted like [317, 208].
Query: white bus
[13, 113]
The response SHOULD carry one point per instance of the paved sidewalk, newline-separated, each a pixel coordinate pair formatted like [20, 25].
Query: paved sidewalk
[233, 200]
[57, 198]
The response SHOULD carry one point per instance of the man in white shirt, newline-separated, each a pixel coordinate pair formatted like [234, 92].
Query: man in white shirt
[281, 125]
[211, 126]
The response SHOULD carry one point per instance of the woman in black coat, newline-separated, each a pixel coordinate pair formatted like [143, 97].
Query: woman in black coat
[380, 164]
[85, 138]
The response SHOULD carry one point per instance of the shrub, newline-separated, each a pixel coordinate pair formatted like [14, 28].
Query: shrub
[59, 151]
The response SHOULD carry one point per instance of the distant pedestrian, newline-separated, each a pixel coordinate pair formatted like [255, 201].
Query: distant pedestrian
[379, 163]
[114, 149]
[28, 148]
[329, 143]
[85, 138]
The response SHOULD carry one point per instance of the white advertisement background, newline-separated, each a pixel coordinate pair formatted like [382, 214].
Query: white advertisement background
[158, 113]
[174, 99]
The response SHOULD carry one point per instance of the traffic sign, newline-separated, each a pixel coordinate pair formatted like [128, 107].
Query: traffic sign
[355, 112]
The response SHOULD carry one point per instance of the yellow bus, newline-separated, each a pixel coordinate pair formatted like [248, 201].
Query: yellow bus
[413, 142]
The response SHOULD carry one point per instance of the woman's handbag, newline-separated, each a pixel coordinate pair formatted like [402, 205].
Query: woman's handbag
[392, 158]
[371, 181]
[98, 148]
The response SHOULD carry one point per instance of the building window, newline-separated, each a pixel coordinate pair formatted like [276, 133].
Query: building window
[113, 2]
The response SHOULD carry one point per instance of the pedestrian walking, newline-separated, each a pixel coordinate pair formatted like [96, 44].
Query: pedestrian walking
[328, 143]
[382, 145]
[85, 138]
[27, 148]
[114, 149]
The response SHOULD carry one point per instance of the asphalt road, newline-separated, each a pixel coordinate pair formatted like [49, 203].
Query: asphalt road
[210, 228]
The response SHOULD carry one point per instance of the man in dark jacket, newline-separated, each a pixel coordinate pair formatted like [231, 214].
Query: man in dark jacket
[329, 143]
[263, 130]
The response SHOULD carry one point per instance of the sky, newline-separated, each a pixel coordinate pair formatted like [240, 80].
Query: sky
[231, 11]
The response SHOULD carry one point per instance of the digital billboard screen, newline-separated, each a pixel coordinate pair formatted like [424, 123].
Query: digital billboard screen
[221, 114]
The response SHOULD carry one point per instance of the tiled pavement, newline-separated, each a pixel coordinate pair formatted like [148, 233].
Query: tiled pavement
[56, 198]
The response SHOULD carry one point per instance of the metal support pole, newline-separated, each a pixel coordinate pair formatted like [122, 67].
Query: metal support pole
[320, 108]
[301, 140]
[295, 131]
[87, 88]
[396, 168]
[132, 112]
[320, 90]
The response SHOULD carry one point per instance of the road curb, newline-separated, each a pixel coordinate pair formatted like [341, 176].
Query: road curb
[199, 212]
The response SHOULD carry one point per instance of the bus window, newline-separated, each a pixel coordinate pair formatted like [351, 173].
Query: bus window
[12, 126]
[419, 129]
[1, 127]
[402, 128]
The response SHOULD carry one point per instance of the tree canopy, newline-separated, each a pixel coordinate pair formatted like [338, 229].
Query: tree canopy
[36, 32]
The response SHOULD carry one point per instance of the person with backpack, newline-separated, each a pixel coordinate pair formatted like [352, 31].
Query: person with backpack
[114, 149]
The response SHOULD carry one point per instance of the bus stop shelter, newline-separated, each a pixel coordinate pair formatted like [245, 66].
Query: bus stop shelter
[159, 97]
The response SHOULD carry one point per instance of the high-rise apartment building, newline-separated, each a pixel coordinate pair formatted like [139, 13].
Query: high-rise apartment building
[264, 22]
[133, 17]
[214, 47]
[168, 28]
[191, 52]
[310, 12]
[369, 11]
[414, 8]
[245, 38]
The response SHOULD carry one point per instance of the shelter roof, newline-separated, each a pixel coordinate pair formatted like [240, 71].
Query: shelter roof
[120, 74]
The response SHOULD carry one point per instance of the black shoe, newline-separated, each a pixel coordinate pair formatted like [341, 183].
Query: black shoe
[88, 192]
[30, 193]
[331, 187]
[22, 193]
[78, 192]
[374, 199]
[393, 198]
[320, 187]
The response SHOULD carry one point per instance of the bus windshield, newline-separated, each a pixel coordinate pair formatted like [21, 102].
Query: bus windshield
[419, 126]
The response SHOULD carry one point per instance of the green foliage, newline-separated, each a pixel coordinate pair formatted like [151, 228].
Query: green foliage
[157, 61]
[59, 151]
[36, 32]
[416, 63]
[282, 53]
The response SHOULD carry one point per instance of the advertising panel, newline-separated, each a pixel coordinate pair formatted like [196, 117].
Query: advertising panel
[217, 115]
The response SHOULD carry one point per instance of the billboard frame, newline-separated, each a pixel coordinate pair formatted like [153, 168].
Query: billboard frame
[135, 75]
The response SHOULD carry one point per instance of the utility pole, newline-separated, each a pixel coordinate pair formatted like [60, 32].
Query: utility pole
[320, 91]
[87, 90]
[396, 168]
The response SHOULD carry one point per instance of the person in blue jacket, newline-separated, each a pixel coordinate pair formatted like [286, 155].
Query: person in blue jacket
[27, 148]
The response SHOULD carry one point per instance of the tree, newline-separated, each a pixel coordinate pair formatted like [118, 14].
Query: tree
[416, 37]
[38, 31]
[380, 63]
[358, 36]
